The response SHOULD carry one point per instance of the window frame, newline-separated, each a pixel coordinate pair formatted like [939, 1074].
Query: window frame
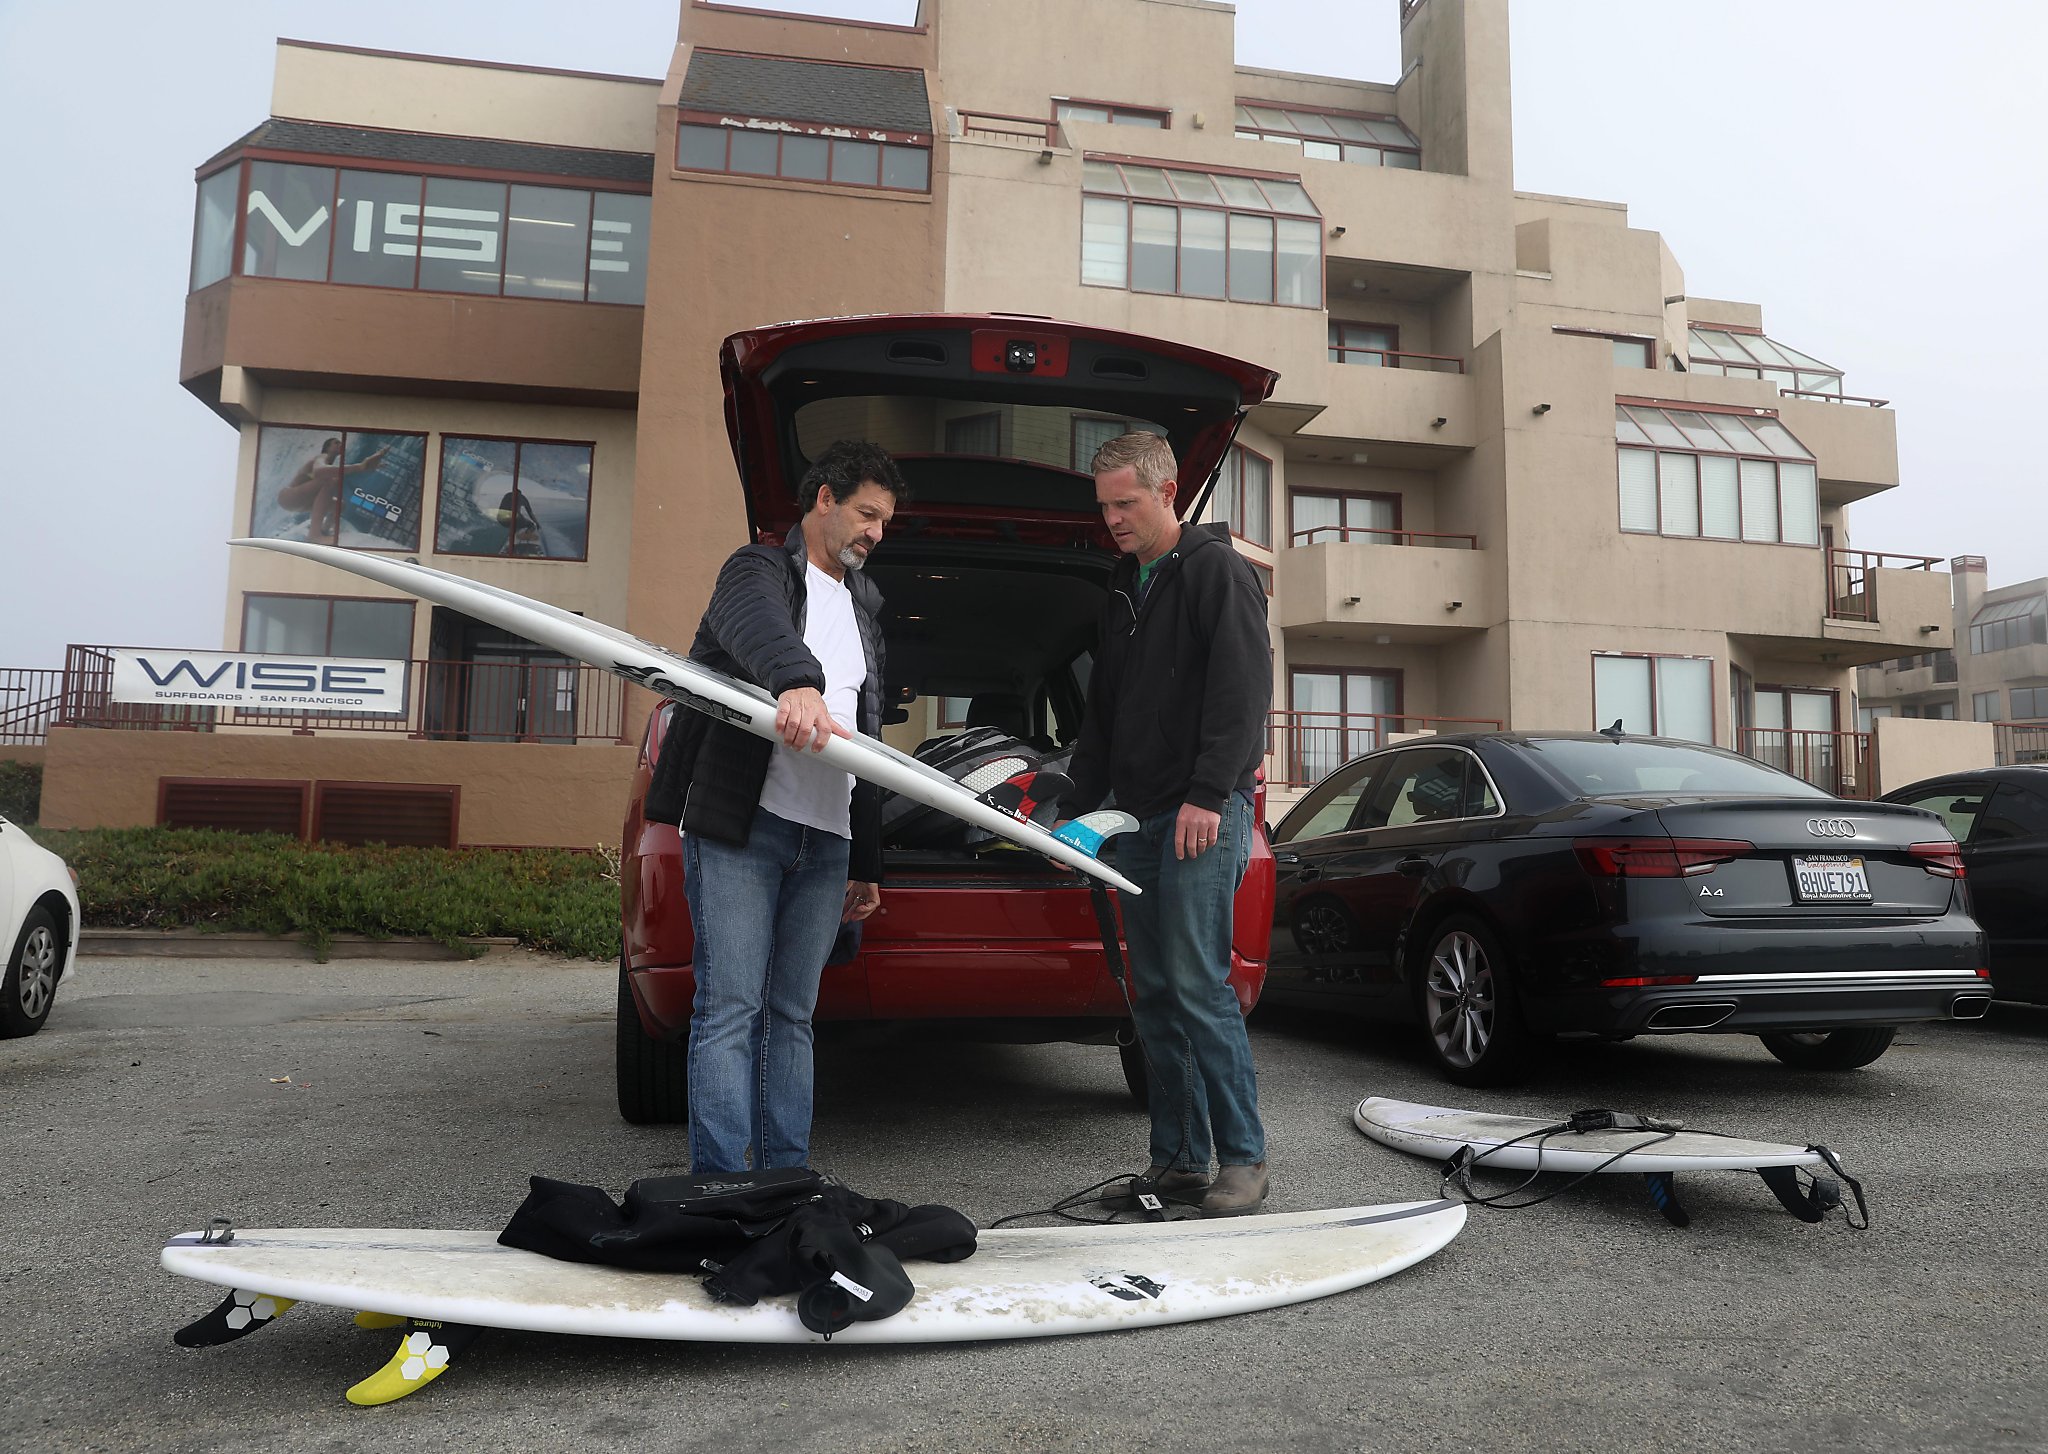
[1250, 128]
[327, 650]
[2037, 697]
[783, 130]
[517, 441]
[1162, 115]
[1755, 368]
[1697, 452]
[1230, 495]
[1653, 657]
[426, 438]
[1129, 198]
[1332, 492]
[1646, 340]
[1338, 346]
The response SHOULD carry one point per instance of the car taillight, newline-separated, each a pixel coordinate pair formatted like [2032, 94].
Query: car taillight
[1645, 982]
[1943, 860]
[1657, 857]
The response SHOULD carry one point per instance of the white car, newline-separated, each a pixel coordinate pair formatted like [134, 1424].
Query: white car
[39, 926]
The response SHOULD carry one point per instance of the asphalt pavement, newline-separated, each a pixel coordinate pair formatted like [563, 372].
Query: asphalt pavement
[165, 1092]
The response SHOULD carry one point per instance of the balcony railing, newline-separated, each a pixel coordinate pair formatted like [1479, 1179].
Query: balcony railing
[1852, 584]
[1362, 356]
[1827, 397]
[446, 701]
[1842, 763]
[2017, 742]
[1008, 130]
[1308, 746]
[1372, 535]
[30, 698]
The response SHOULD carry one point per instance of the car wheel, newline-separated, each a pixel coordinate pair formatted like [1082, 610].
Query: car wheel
[1132, 1055]
[30, 984]
[1469, 1008]
[654, 1075]
[1831, 1049]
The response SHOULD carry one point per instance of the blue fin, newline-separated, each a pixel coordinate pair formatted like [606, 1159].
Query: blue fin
[1091, 830]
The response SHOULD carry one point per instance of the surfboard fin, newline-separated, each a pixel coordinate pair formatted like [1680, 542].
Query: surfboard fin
[1031, 796]
[1664, 1195]
[377, 1321]
[425, 1352]
[241, 1313]
[1091, 830]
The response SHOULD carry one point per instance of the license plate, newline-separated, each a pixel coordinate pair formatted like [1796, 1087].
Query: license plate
[1831, 880]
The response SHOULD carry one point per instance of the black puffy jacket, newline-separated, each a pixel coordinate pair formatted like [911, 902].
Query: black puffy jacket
[709, 776]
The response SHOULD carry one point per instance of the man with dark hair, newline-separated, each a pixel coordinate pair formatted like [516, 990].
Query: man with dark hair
[779, 849]
[1175, 725]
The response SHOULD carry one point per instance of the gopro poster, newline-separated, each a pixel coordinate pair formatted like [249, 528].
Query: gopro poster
[343, 487]
[514, 497]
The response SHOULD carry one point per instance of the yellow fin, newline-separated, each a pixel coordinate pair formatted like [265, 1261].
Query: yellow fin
[418, 1362]
[379, 1320]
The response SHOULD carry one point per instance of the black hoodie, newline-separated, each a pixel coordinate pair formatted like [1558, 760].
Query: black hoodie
[1178, 694]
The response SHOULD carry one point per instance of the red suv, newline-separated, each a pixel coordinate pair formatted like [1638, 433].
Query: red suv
[995, 571]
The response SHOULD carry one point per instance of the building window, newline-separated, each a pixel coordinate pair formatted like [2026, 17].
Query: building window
[349, 487]
[437, 234]
[2029, 704]
[327, 626]
[1720, 476]
[1984, 706]
[1326, 517]
[1371, 141]
[213, 228]
[1656, 696]
[980, 434]
[1335, 714]
[1264, 572]
[1631, 350]
[1091, 432]
[899, 164]
[1156, 229]
[2003, 624]
[1104, 111]
[1370, 344]
[953, 712]
[1747, 354]
[1939, 711]
[1244, 496]
[525, 497]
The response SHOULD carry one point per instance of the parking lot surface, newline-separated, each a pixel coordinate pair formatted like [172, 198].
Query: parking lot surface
[165, 1092]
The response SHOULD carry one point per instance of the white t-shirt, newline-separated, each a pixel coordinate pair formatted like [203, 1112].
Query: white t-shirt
[800, 787]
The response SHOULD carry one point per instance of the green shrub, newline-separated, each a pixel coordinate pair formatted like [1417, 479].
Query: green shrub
[191, 878]
[21, 791]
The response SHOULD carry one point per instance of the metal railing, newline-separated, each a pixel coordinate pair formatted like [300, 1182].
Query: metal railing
[446, 701]
[2017, 742]
[1308, 746]
[1828, 397]
[1009, 130]
[1374, 535]
[30, 699]
[1842, 763]
[1393, 358]
[1852, 584]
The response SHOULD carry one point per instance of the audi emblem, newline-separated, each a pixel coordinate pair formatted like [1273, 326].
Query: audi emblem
[1831, 827]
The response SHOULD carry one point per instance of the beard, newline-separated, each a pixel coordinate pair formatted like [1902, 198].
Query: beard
[852, 558]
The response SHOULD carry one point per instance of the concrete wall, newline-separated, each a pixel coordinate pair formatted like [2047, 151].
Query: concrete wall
[512, 794]
[1909, 750]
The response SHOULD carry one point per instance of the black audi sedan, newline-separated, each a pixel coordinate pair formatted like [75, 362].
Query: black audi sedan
[1506, 888]
[2000, 816]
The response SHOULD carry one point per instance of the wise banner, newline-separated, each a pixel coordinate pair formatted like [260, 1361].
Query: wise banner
[260, 683]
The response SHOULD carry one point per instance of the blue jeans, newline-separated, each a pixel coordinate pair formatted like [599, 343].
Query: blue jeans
[765, 916]
[1205, 1094]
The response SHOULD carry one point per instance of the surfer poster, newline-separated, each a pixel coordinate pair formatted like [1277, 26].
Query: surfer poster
[514, 497]
[345, 487]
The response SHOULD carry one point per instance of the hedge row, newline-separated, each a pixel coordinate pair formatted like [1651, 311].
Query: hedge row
[185, 878]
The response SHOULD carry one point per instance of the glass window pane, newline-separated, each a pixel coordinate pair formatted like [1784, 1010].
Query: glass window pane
[1201, 253]
[1762, 348]
[1287, 141]
[1701, 366]
[1241, 192]
[1251, 258]
[1253, 518]
[1621, 689]
[288, 226]
[462, 236]
[1351, 128]
[618, 247]
[1104, 241]
[380, 229]
[907, 168]
[1799, 503]
[1778, 439]
[378, 629]
[1783, 378]
[1308, 123]
[1731, 428]
[1720, 512]
[1270, 119]
[1371, 519]
[213, 230]
[1723, 345]
[547, 242]
[298, 484]
[754, 153]
[1638, 473]
[1289, 197]
[1678, 478]
[1244, 116]
[382, 480]
[1068, 111]
[1101, 177]
[1363, 156]
[1631, 353]
[1390, 131]
[806, 158]
[1154, 237]
[1626, 430]
[552, 516]
[1089, 435]
[1697, 345]
[1685, 699]
[1315, 519]
[1821, 383]
[1696, 429]
[294, 625]
[1299, 275]
[1139, 118]
[1407, 161]
[1326, 151]
[478, 496]
[1148, 182]
[701, 148]
[1660, 428]
[858, 162]
[1759, 500]
[1194, 186]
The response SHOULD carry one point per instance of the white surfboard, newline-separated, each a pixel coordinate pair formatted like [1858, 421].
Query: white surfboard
[1022, 1283]
[703, 690]
[1439, 1131]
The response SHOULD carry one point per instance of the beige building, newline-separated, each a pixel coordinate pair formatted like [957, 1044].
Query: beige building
[1514, 473]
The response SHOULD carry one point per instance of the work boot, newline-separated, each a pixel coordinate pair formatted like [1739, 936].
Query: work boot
[1237, 1191]
[1165, 1182]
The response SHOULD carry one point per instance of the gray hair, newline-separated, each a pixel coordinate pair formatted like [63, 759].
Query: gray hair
[1148, 454]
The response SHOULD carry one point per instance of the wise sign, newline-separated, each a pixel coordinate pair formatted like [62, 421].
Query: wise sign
[260, 683]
